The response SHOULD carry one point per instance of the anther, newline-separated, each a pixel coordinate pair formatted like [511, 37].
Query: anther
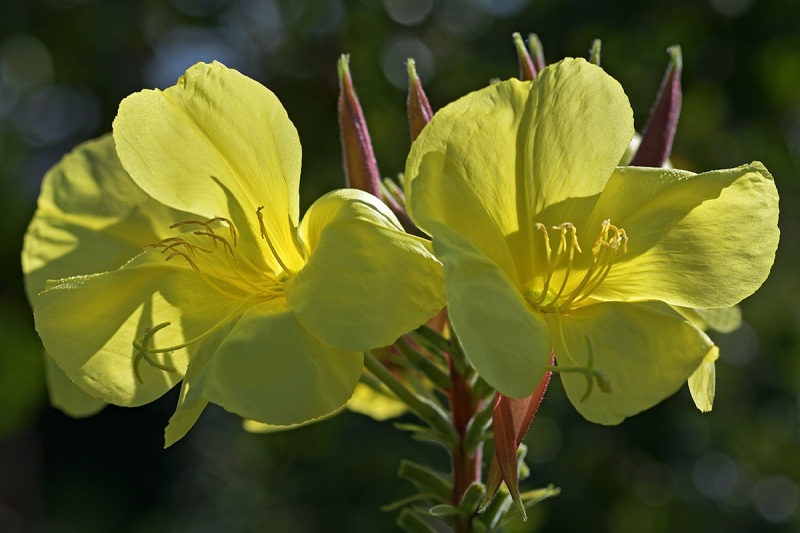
[216, 238]
[261, 223]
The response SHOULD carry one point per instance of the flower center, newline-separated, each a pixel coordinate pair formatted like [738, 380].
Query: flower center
[563, 285]
[215, 258]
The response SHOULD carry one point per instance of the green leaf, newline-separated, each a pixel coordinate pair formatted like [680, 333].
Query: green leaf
[444, 509]
[402, 502]
[472, 499]
[411, 522]
[426, 480]
[478, 428]
[423, 433]
[532, 497]
[431, 370]
[494, 513]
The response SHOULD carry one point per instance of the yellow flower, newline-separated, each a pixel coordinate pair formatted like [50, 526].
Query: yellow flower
[251, 308]
[548, 245]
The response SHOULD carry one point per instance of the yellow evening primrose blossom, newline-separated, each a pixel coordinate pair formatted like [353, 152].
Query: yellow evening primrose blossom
[548, 245]
[223, 286]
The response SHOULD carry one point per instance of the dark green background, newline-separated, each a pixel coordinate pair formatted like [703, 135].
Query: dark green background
[66, 64]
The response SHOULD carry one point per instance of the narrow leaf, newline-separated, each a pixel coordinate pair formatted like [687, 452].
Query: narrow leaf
[472, 498]
[425, 479]
[532, 497]
[444, 509]
[395, 505]
[411, 522]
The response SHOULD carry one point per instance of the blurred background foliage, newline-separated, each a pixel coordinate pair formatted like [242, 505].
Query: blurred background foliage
[66, 64]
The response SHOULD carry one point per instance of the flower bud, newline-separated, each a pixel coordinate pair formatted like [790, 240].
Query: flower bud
[659, 132]
[419, 109]
[594, 52]
[358, 157]
[510, 421]
[537, 51]
[527, 71]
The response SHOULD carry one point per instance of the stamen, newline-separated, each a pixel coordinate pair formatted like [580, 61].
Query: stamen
[207, 225]
[216, 238]
[265, 236]
[575, 246]
[548, 252]
[227, 275]
[608, 244]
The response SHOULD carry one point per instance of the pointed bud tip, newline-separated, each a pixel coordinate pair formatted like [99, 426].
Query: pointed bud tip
[674, 52]
[343, 66]
[527, 70]
[537, 50]
[594, 52]
[534, 43]
[412, 70]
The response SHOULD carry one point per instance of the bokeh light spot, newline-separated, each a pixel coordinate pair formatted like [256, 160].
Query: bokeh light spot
[408, 12]
[396, 54]
[775, 498]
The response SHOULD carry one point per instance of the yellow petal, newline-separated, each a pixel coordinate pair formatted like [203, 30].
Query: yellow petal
[66, 396]
[703, 381]
[646, 351]
[723, 319]
[523, 148]
[507, 343]
[376, 405]
[89, 203]
[366, 281]
[269, 369]
[88, 325]
[431, 199]
[217, 144]
[705, 240]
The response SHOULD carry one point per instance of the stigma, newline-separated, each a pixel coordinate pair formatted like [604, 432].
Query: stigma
[565, 278]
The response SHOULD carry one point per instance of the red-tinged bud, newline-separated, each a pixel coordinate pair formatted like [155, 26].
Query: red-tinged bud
[360, 166]
[510, 422]
[419, 109]
[594, 52]
[660, 130]
[527, 71]
[505, 449]
[537, 51]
